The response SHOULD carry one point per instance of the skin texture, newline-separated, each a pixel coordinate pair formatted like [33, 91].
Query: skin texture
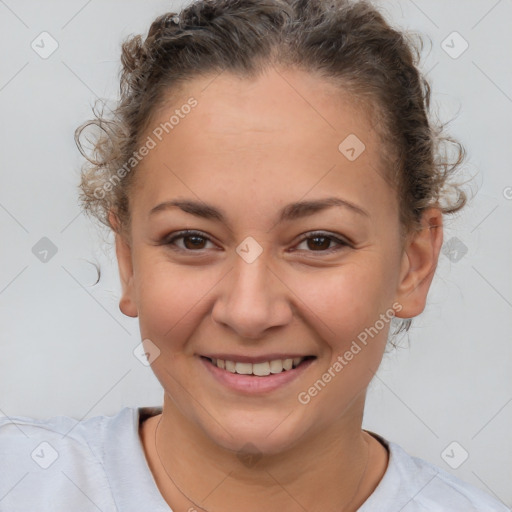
[250, 147]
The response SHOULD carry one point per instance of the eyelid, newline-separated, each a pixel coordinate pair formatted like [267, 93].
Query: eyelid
[340, 241]
[170, 239]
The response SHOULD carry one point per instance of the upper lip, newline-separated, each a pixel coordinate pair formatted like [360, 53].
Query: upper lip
[255, 359]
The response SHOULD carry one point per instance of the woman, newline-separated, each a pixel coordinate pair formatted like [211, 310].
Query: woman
[277, 199]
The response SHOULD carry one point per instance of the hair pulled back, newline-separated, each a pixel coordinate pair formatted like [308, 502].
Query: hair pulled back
[347, 42]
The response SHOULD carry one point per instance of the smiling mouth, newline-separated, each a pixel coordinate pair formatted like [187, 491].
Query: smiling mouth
[261, 369]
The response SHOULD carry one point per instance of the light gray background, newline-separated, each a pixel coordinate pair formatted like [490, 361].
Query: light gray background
[67, 349]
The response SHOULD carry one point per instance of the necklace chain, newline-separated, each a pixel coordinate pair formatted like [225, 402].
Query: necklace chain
[206, 510]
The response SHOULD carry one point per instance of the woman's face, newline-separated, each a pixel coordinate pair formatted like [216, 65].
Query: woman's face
[248, 286]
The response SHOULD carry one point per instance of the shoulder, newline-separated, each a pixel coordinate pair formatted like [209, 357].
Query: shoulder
[417, 485]
[43, 458]
[74, 437]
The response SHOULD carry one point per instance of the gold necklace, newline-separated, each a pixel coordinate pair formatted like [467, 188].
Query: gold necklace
[206, 510]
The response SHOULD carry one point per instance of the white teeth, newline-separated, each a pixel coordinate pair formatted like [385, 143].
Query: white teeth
[243, 368]
[230, 366]
[276, 366]
[259, 369]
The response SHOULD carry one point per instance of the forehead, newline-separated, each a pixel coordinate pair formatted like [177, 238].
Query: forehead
[292, 103]
[285, 127]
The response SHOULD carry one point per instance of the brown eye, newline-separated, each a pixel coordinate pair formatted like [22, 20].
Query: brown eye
[195, 242]
[192, 241]
[321, 242]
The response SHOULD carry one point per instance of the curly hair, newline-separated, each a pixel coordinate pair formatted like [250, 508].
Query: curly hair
[348, 43]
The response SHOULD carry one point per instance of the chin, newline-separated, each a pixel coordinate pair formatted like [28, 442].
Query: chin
[256, 434]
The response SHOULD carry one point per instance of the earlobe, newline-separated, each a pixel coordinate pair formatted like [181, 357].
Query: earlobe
[419, 263]
[127, 303]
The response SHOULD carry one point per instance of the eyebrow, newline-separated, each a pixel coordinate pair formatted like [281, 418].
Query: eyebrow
[290, 212]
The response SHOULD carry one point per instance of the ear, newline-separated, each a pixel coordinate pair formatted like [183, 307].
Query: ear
[127, 303]
[419, 262]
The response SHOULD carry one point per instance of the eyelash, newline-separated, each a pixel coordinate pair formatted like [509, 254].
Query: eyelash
[314, 234]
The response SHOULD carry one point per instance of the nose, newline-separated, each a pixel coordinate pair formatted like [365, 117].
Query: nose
[252, 300]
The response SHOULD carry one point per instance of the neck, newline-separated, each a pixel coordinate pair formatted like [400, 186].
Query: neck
[191, 470]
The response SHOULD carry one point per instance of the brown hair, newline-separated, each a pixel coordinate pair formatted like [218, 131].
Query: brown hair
[346, 42]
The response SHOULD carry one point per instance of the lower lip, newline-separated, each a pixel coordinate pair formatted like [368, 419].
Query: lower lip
[253, 384]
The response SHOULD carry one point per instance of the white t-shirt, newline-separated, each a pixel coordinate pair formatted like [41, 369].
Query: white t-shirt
[64, 465]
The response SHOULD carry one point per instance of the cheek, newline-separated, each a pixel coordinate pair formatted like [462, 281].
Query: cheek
[346, 314]
[170, 299]
[347, 299]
